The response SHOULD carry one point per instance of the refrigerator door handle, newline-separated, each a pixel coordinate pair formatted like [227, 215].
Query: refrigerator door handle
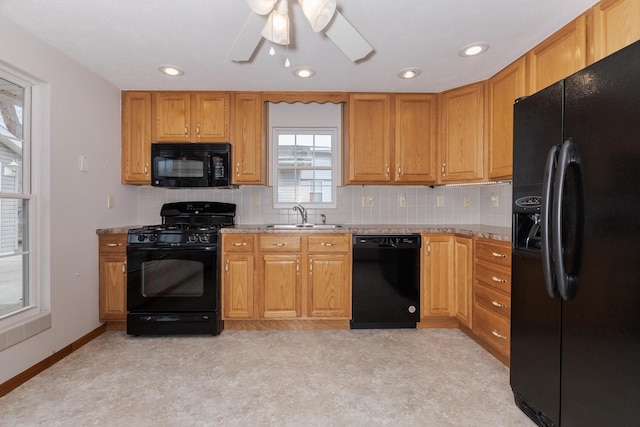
[568, 156]
[545, 222]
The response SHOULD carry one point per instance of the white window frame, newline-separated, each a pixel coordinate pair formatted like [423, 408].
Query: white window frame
[335, 164]
[31, 117]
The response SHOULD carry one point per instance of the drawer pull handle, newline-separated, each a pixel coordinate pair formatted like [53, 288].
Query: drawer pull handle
[498, 255]
[280, 244]
[327, 244]
[497, 335]
[113, 245]
[499, 280]
[239, 244]
[497, 304]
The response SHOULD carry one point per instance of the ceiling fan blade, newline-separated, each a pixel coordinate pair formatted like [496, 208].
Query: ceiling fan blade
[347, 38]
[248, 39]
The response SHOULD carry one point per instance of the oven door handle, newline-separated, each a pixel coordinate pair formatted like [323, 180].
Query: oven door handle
[170, 248]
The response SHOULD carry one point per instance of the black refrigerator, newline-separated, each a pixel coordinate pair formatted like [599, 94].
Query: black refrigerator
[575, 316]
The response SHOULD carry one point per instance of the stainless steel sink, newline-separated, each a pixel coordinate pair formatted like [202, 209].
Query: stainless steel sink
[304, 226]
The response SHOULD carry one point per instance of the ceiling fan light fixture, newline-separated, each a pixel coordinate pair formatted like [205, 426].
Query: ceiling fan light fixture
[261, 7]
[276, 29]
[170, 70]
[473, 49]
[409, 73]
[318, 12]
[304, 72]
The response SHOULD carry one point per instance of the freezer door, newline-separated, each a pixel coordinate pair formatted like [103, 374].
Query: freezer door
[601, 323]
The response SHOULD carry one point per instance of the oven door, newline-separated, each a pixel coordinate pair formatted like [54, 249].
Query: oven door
[171, 279]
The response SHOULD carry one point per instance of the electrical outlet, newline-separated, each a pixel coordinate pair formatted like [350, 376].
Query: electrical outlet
[494, 200]
[111, 201]
[255, 201]
[367, 202]
[440, 201]
[403, 200]
[467, 202]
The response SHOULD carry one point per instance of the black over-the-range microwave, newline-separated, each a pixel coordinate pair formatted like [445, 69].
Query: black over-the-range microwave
[176, 165]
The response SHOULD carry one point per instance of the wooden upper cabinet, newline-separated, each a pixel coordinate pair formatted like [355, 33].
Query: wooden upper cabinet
[415, 138]
[370, 138]
[462, 134]
[559, 56]
[247, 141]
[502, 91]
[136, 138]
[191, 116]
[615, 25]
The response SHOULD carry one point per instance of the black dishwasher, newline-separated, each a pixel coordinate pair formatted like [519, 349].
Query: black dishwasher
[386, 281]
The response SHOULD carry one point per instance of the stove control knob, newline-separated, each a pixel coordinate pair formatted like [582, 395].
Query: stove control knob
[153, 237]
[204, 238]
[141, 238]
[192, 238]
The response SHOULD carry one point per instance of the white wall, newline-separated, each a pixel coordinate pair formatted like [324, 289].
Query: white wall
[84, 118]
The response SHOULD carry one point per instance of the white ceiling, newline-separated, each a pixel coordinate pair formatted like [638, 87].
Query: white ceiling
[126, 40]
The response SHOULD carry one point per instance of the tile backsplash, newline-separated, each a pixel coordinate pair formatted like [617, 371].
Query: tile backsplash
[487, 204]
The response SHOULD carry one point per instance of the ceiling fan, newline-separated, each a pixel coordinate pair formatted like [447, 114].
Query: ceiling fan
[270, 19]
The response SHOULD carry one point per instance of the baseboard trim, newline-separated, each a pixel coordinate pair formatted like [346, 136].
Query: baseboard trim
[41, 366]
[285, 324]
[438, 322]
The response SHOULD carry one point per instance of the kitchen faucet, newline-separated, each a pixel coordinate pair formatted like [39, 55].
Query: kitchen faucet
[303, 212]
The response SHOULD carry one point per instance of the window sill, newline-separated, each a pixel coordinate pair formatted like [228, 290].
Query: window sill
[28, 328]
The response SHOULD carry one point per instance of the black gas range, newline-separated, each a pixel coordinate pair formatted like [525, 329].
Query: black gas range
[172, 273]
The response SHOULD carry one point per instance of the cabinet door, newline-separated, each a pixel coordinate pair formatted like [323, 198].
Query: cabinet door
[281, 286]
[237, 287]
[211, 117]
[463, 279]
[112, 267]
[415, 142]
[247, 141]
[462, 147]
[437, 276]
[559, 56]
[503, 89]
[136, 137]
[329, 281]
[172, 116]
[615, 25]
[370, 138]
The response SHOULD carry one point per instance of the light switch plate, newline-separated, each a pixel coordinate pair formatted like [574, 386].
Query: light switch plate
[84, 163]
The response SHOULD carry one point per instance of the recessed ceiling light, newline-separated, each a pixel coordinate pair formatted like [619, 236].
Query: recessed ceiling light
[170, 70]
[409, 73]
[304, 72]
[473, 49]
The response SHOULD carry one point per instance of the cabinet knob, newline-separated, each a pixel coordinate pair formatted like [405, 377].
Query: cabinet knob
[226, 267]
[124, 268]
[279, 244]
[388, 170]
[146, 169]
[186, 130]
[498, 255]
[237, 169]
[497, 279]
[198, 130]
[497, 304]
[239, 244]
[399, 170]
[327, 244]
[113, 245]
[443, 169]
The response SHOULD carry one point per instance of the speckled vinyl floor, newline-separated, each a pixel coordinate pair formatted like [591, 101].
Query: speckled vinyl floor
[423, 377]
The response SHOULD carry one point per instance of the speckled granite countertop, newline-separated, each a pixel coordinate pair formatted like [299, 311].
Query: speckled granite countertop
[485, 231]
[116, 230]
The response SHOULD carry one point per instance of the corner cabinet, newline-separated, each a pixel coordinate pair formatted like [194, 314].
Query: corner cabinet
[462, 134]
[502, 91]
[190, 117]
[136, 138]
[112, 265]
[247, 138]
[463, 279]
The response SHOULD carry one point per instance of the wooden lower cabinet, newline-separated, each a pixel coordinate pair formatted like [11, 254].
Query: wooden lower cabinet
[463, 279]
[112, 265]
[492, 296]
[437, 276]
[294, 277]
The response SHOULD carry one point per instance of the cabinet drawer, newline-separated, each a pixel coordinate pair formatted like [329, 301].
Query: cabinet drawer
[493, 329]
[279, 243]
[493, 251]
[495, 302]
[113, 243]
[329, 243]
[238, 243]
[493, 275]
